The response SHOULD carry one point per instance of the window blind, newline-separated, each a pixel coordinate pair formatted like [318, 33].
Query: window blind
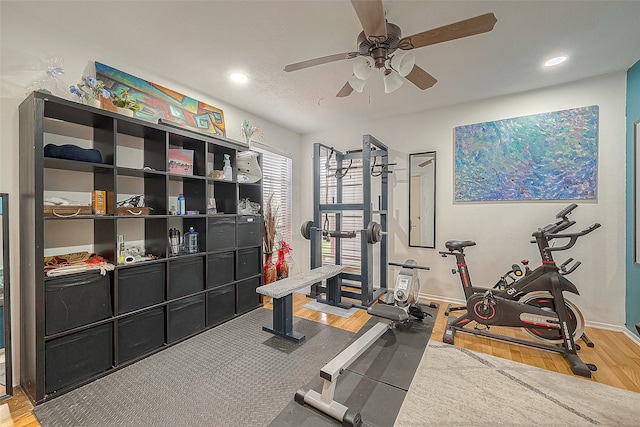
[351, 174]
[276, 183]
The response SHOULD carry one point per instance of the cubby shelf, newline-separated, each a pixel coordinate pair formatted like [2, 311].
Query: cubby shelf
[141, 308]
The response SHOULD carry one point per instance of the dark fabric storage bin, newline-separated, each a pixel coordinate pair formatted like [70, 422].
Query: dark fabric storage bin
[221, 233]
[140, 287]
[185, 317]
[140, 333]
[77, 357]
[246, 296]
[249, 231]
[248, 263]
[221, 304]
[76, 300]
[186, 276]
[220, 269]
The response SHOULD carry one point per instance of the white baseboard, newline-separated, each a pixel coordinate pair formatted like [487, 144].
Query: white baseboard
[633, 337]
[430, 297]
[605, 326]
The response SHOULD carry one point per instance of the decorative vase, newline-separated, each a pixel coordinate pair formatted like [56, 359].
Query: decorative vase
[270, 272]
[124, 111]
[282, 267]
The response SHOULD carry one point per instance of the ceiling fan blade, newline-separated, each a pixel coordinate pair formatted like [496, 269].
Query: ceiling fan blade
[371, 16]
[345, 91]
[321, 60]
[469, 27]
[425, 163]
[421, 78]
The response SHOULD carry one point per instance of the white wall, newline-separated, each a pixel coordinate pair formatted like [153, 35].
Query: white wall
[502, 230]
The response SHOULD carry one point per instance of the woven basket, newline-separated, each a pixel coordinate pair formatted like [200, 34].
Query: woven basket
[68, 211]
[125, 211]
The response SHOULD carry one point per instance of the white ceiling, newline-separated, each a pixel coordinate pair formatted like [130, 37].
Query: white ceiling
[200, 43]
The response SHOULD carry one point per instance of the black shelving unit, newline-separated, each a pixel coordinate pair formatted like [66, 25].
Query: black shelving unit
[79, 327]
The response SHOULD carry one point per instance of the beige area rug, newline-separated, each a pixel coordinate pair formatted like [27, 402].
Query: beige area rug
[458, 387]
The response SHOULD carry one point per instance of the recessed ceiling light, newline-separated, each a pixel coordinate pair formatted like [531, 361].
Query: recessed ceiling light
[555, 61]
[239, 77]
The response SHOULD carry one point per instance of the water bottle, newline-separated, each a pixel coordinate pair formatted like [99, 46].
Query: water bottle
[174, 241]
[181, 204]
[191, 241]
[228, 172]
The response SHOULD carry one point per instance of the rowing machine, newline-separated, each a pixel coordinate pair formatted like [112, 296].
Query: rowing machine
[330, 372]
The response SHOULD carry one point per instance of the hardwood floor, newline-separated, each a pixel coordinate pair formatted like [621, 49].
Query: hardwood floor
[617, 356]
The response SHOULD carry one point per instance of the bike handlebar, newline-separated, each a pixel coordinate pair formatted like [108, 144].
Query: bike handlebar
[566, 211]
[573, 237]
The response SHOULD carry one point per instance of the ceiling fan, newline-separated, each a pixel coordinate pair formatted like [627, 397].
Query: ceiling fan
[378, 43]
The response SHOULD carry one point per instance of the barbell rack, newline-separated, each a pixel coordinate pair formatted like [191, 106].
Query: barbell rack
[360, 286]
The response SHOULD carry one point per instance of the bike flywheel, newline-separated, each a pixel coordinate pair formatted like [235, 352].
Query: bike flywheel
[545, 301]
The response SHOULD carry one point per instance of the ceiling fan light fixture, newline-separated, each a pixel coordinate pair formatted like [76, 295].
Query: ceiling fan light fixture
[362, 67]
[356, 83]
[403, 63]
[392, 81]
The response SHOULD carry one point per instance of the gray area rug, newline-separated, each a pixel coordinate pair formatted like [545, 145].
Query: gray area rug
[232, 375]
[459, 387]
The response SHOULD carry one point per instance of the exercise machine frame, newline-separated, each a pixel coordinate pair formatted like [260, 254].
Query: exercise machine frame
[374, 155]
[324, 401]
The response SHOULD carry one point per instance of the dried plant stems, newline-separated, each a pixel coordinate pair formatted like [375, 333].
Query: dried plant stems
[269, 227]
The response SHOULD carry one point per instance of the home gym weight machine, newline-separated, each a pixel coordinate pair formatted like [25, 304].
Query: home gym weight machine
[375, 164]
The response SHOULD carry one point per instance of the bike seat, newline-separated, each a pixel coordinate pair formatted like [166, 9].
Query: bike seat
[457, 245]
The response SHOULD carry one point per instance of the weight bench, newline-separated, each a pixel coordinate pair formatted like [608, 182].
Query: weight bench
[331, 371]
[282, 299]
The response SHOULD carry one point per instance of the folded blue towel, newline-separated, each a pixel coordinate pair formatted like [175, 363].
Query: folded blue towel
[73, 152]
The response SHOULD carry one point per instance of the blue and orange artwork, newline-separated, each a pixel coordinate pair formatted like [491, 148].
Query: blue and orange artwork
[548, 156]
[158, 102]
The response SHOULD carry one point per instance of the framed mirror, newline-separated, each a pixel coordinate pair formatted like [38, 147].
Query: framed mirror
[422, 199]
[636, 144]
[6, 387]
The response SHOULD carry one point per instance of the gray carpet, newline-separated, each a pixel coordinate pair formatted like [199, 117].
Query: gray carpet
[232, 375]
[459, 387]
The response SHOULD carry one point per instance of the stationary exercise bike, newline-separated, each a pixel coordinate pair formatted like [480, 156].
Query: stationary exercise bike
[534, 302]
[400, 311]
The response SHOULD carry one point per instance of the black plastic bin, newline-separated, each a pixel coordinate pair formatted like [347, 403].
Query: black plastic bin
[186, 276]
[140, 287]
[249, 231]
[220, 269]
[140, 333]
[248, 263]
[246, 296]
[221, 233]
[76, 300]
[78, 356]
[185, 317]
[221, 304]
